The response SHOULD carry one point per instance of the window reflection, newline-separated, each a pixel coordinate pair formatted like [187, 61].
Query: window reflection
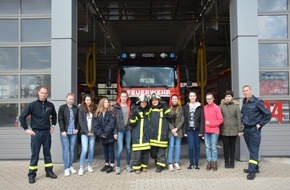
[274, 83]
[36, 7]
[9, 115]
[9, 30]
[9, 7]
[9, 87]
[36, 58]
[272, 5]
[273, 55]
[8, 59]
[30, 82]
[36, 30]
[272, 26]
[147, 76]
[22, 107]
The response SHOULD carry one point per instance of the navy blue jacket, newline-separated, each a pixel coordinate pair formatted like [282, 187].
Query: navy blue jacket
[104, 127]
[42, 113]
[254, 112]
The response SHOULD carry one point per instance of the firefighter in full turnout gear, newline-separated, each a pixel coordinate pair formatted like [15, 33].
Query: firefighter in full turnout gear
[159, 113]
[140, 135]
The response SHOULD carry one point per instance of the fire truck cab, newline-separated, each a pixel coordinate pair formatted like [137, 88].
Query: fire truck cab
[148, 73]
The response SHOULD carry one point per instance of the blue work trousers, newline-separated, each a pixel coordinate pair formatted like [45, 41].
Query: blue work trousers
[252, 137]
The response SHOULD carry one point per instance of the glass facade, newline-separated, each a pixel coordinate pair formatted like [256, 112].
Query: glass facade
[273, 55]
[272, 5]
[25, 54]
[273, 29]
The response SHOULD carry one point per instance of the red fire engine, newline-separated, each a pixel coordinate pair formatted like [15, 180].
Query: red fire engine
[148, 73]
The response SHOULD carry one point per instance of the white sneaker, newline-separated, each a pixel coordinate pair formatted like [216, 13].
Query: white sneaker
[66, 172]
[129, 169]
[81, 171]
[73, 171]
[170, 167]
[177, 166]
[117, 170]
[90, 169]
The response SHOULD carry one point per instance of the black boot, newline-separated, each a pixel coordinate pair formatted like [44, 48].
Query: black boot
[159, 169]
[232, 164]
[51, 175]
[227, 164]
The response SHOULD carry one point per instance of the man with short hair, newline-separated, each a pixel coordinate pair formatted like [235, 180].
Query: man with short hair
[43, 120]
[254, 116]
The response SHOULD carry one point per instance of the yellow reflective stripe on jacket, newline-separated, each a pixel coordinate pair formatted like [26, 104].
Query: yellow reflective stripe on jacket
[160, 125]
[144, 146]
[167, 111]
[141, 148]
[48, 165]
[160, 164]
[253, 162]
[158, 143]
[134, 120]
[155, 109]
[33, 167]
[141, 130]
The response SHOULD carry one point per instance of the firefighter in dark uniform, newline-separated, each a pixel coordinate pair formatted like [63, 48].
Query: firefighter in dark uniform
[254, 117]
[139, 120]
[159, 113]
[43, 119]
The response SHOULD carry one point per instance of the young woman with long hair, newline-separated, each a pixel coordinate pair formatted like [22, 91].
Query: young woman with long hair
[104, 124]
[88, 137]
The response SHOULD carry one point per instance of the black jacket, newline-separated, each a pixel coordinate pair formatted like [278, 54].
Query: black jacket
[119, 116]
[42, 113]
[63, 117]
[83, 121]
[139, 121]
[159, 120]
[104, 127]
[198, 119]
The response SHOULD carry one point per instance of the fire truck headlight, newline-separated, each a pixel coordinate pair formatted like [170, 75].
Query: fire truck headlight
[132, 55]
[124, 56]
[163, 55]
[172, 56]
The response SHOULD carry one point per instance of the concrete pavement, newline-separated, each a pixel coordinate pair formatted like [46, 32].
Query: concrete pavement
[275, 174]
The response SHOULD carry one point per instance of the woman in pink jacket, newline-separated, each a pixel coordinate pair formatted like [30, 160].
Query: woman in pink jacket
[213, 119]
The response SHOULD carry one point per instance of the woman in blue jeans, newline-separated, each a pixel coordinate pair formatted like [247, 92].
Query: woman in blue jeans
[193, 129]
[122, 131]
[104, 124]
[213, 118]
[68, 125]
[88, 138]
[175, 134]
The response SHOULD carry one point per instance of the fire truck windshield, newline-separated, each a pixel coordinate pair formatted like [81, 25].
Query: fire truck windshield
[132, 76]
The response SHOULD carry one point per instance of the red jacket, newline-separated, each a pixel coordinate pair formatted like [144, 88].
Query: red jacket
[213, 114]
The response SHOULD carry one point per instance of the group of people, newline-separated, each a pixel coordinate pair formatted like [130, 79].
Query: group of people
[151, 127]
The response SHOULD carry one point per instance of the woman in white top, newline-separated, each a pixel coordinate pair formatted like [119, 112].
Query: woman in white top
[88, 138]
